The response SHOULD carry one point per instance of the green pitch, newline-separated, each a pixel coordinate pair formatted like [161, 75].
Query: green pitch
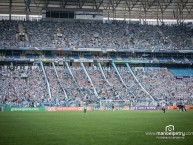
[94, 128]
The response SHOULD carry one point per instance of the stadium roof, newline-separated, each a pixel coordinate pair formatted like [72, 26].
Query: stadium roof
[179, 10]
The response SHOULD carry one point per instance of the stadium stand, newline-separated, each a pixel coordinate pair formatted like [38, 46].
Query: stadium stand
[26, 85]
[161, 83]
[34, 80]
[95, 34]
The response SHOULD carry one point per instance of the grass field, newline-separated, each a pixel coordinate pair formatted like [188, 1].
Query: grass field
[93, 128]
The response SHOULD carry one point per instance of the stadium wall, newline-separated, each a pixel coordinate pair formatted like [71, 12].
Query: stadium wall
[22, 109]
[175, 107]
[89, 108]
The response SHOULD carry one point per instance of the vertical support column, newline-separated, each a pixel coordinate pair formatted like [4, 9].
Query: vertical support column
[104, 77]
[145, 11]
[48, 85]
[95, 92]
[59, 80]
[70, 72]
[115, 68]
[27, 9]
[157, 14]
[138, 81]
[10, 7]
[162, 12]
[140, 13]
[129, 11]
[27, 16]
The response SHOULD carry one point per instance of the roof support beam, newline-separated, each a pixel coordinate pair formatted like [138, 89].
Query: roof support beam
[80, 4]
[64, 3]
[97, 3]
[179, 11]
[114, 4]
[144, 4]
[189, 12]
[38, 2]
[27, 4]
[46, 2]
[130, 4]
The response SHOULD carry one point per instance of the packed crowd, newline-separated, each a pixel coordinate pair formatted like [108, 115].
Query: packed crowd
[22, 86]
[104, 89]
[8, 31]
[161, 84]
[95, 34]
[55, 88]
[26, 86]
[41, 34]
[71, 87]
[135, 91]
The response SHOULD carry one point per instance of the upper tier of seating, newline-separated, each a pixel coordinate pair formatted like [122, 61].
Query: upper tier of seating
[95, 34]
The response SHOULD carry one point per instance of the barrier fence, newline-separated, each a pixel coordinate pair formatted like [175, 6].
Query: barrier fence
[43, 109]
